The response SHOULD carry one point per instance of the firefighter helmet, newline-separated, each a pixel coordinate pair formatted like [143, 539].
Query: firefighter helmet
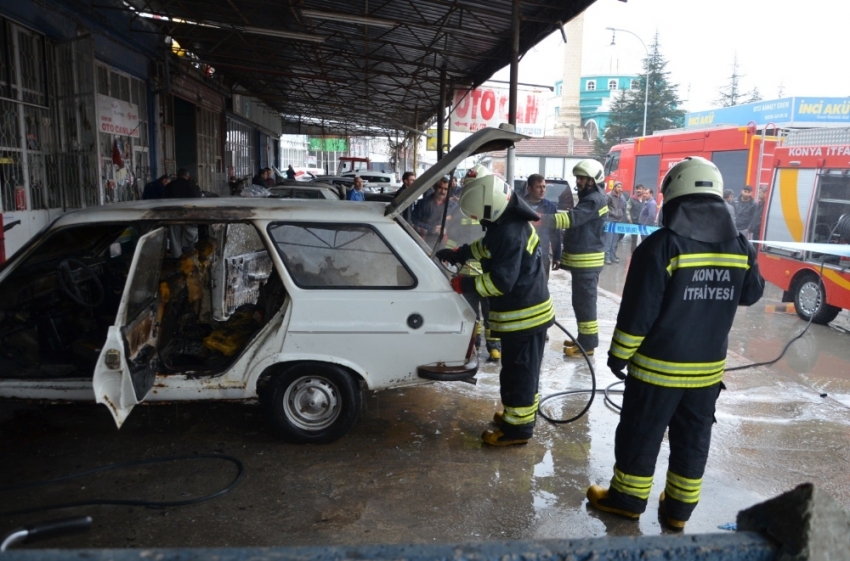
[485, 198]
[692, 176]
[591, 169]
[475, 171]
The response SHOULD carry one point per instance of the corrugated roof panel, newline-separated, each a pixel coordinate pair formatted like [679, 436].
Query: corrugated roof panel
[383, 70]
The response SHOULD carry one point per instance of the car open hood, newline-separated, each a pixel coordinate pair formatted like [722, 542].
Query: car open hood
[485, 140]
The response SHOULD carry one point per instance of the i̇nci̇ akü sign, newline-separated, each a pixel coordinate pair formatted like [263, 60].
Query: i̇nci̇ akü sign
[117, 117]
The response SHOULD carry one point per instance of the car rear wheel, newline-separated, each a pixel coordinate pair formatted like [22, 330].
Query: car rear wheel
[810, 301]
[313, 403]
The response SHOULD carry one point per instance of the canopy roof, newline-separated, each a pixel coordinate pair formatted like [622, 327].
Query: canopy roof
[353, 64]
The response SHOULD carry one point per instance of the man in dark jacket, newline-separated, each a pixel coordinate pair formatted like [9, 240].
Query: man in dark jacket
[633, 208]
[673, 339]
[583, 253]
[427, 215]
[521, 309]
[745, 209]
[156, 189]
[755, 223]
[550, 238]
[616, 213]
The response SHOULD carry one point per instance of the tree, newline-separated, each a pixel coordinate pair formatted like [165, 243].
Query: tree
[626, 117]
[732, 93]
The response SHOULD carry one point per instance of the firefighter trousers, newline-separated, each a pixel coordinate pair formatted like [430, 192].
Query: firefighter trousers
[518, 381]
[584, 308]
[481, 306]
[647, 411]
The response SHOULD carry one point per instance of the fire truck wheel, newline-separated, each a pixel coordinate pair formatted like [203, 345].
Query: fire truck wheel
[810, 300]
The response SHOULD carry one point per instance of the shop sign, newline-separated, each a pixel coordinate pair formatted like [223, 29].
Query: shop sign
[117, 117]
[488, 107]
[321, 144]
[431, 139]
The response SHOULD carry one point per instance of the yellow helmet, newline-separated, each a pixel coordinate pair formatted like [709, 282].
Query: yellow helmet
[692, 176]
[591, 169]
[485, 198]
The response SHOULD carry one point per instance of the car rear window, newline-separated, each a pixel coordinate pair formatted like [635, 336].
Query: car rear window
[339, 256]
[375, 178]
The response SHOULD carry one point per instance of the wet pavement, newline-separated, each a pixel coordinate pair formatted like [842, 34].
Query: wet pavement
[413, 469]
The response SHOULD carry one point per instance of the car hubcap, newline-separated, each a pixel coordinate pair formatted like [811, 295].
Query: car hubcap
[809, 298]
[312, 403]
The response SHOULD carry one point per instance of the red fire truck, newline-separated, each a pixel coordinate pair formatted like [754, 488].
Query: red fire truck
[809, 202]
[742, 154]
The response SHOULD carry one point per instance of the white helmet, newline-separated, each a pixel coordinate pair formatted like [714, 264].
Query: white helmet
[485, 198]
[692, 176]
[475, 171]
[591, 169]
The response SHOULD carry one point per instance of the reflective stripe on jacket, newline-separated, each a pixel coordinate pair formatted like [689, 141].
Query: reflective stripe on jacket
[513, 277]
[678, 305]
[584, 232]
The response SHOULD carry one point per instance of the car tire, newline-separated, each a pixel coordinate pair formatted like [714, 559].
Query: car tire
[810, 300]
[313, 402]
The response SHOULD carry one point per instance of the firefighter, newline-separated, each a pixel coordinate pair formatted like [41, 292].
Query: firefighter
[683, 287]
[463, 230]
[521, 309]
[583, 252]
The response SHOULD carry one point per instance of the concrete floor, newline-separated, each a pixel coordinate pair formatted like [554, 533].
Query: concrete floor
[413, 469]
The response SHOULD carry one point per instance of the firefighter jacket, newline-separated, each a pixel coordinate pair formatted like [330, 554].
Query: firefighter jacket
[683, 287]
[513, 277]
[584, 235]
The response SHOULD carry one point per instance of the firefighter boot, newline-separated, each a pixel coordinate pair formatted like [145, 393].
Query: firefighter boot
[498, 438]
[499, 418]
[598, 497]
[494, 346]
[571, 349]
[672, 523]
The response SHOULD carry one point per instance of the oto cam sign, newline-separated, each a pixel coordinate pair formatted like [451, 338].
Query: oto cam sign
[488, 107]
[117, 117]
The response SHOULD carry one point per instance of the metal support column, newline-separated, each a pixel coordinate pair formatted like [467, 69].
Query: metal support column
[512, 98]
[441, 115]
[415, 141]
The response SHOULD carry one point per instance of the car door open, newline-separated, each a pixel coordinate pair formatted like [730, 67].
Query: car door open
[127, 364]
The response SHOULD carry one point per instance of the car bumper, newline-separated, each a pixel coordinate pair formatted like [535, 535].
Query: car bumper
[442, 373]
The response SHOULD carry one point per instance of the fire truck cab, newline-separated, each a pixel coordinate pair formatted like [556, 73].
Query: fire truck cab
[809, 202]
[742, 154]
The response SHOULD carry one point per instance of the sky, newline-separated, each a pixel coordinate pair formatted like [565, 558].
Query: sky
[799, 46]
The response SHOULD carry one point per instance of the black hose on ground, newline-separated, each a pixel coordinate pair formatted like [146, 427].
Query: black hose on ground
[122, 502]
[607, 391]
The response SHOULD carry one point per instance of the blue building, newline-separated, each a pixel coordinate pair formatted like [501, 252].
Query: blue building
[597, 92]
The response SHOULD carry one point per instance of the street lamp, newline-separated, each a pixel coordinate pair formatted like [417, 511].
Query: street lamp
[614, 31]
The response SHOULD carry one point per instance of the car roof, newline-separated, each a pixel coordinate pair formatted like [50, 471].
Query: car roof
[225, 209]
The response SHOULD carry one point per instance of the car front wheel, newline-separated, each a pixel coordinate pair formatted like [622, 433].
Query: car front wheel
[313, 403]
[810, 301]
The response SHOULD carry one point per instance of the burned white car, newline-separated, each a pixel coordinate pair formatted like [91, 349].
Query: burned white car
[300, 303]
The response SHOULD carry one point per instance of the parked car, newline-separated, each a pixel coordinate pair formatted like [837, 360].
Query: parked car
[376, 181]
[311, 190]
[302, 303]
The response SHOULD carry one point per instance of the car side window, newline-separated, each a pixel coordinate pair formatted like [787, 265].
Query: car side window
[339, 256]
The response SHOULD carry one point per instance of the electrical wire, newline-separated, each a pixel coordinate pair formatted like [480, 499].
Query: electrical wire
[127, 502]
